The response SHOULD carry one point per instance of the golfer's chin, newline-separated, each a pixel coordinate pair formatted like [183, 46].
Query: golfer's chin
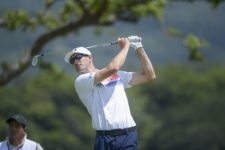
[78, 69]
[81, 71]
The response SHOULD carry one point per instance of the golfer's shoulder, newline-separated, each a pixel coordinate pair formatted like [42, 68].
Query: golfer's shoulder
[85, 77]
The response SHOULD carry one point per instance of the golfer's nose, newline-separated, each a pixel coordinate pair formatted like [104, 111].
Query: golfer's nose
[76, 61]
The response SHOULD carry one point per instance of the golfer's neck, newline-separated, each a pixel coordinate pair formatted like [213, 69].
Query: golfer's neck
[89, 69]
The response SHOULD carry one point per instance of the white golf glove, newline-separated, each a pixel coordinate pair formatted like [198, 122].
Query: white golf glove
[135, 41]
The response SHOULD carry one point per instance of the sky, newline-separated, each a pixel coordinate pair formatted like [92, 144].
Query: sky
[197, 17]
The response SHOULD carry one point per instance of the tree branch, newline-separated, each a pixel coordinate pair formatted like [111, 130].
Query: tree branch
[16, 69]
[9, 72]
[12, 71]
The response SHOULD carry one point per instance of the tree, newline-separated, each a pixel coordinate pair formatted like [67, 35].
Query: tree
[76, 14]
[56, 117]
[184, 109]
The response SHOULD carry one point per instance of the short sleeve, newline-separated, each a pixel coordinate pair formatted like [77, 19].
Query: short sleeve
[125, 77]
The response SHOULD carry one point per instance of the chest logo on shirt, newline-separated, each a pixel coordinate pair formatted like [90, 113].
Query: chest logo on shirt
[114, 77]
[112, 80]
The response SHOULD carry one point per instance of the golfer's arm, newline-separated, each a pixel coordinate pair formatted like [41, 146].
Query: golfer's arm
[147, 73]
[115, 64]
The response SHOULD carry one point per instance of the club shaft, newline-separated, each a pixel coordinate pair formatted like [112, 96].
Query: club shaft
[88, 47]
[138, 39]
[102, 45]
[131, 39]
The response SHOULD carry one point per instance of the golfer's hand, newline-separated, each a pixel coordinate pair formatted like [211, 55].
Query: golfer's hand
[123, 42]
[135, 42]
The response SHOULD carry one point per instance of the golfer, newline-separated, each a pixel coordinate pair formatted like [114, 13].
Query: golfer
[102, 91]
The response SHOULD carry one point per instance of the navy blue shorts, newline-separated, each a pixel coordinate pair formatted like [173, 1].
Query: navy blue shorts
[120, 139]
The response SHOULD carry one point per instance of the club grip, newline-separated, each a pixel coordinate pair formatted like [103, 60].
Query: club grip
[113, 43]
[130, 38]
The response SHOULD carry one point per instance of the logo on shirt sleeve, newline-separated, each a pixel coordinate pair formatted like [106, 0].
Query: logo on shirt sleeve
[114, 77]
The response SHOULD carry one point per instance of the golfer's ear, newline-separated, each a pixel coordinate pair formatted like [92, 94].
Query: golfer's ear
[90, 57]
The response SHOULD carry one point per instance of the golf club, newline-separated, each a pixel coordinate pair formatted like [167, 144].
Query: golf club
[36, 57]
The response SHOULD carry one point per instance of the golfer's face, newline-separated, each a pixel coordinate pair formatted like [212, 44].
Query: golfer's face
[16, 130]
[81, 65]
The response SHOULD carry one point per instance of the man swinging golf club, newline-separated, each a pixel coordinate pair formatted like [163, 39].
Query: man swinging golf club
[102, 91]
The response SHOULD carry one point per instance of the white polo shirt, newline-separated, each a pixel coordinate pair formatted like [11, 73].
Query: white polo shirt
[106, 102]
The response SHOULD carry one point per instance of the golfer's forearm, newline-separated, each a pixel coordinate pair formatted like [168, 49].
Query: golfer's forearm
[118, 61]
[147, 67]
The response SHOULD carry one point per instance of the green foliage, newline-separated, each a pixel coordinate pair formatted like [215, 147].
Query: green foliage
[155, 7]
[188, 105]
[56, 117]
[194, 43]
[73, 10]
[191, 41]
[215, 3]
[49, 20]
[19, 18]
[70, 10]
[49, 3]
[174, 32]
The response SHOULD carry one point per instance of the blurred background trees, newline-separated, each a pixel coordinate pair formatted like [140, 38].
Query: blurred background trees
[182, 109]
